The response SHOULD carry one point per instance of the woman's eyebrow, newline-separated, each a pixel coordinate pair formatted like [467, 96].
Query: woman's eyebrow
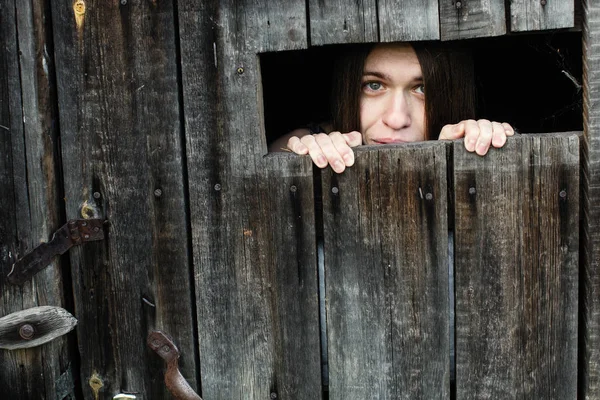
[380, 75]
[377, 74]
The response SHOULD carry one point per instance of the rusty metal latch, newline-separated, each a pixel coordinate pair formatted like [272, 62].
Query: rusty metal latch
[175, 382]
[73, 233]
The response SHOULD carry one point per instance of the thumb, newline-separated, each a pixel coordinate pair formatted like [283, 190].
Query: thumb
[353, 139]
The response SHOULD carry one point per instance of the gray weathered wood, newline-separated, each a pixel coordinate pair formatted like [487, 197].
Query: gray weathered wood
[465, 19]
[48, 323]
[404, 20]
[386, 266]
[122, 160]
[532, 15]
[342, 21]
[516, 269]
[253, 236]
[590, 332]
[29, 195]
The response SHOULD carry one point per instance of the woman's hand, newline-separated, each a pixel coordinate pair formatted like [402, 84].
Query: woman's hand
[333, 149]
[479, 135]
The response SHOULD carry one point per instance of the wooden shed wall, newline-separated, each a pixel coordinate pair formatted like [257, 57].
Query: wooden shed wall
[159, 112]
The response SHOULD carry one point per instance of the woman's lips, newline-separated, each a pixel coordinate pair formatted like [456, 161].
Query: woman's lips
[389, 141]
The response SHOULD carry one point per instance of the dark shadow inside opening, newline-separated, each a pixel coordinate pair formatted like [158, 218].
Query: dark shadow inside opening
[533, 81]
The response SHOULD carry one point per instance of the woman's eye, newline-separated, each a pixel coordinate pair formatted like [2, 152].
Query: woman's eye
[420, 89]
[373, 86]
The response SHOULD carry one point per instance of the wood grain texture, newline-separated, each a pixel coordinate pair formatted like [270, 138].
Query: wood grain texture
[342, 21]
[532, 15]
[122, 159]
[590, 269]
[29, 196]
[47, 323]
[404, 20]
[253, 236]
[386, 268]
[516, 263]
[468, 19]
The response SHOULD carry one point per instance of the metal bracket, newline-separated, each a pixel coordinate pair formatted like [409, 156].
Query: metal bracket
[73, 233]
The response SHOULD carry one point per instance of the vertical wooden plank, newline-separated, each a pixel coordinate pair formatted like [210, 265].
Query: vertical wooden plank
[404, 20]
[253, 236]
[516, 260]
[536, 15]
[29, 198]
[471, 19]
[386, 266]
[590, 321]
[122, 158]
[342, 21]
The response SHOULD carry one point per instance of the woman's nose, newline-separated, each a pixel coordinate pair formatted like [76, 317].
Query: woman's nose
[397, 114]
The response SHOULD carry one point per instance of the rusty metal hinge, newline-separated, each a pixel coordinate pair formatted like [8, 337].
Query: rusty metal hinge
[73, 233]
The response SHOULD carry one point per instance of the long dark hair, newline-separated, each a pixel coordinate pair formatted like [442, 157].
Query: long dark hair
[448, 75]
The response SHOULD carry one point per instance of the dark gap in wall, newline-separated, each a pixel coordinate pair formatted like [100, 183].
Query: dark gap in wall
[532, 81]
[186, 191]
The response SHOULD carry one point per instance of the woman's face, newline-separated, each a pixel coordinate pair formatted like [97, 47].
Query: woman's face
[392, 102]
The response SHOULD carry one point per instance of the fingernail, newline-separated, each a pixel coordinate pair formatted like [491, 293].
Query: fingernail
[338, 166]
[321, 160]
[481, 149]
[347, 158]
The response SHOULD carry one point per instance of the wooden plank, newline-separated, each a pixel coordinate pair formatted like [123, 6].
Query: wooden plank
[516, 263]
[590, 268]
[404, 20]
[386, 267]
[342, 21]
[536, 15]
[30, 193]
[471, 19]
[122, 157]
[253, 236]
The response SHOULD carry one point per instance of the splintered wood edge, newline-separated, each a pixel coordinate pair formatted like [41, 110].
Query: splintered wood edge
[48, 323]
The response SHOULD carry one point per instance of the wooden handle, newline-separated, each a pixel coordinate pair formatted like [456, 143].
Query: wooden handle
[34, 326]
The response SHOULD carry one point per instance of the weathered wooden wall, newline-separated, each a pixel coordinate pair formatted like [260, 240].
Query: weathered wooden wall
[123, 160]
[516, 263]
[252, 218]
[386, 268]
[590, 269]
[214, 242]
[29, 195]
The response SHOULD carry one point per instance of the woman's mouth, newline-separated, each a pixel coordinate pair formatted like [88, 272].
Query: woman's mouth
[389, 141]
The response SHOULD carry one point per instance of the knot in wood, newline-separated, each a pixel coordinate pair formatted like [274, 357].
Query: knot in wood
[26, 331]
[79, 7]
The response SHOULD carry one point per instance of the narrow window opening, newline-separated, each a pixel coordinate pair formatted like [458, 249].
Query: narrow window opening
[533, 81]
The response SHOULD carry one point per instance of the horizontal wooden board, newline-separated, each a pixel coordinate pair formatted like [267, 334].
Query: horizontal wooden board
[342, 21]
[466, 19]
[535, 15]
[386, 267]
[408, 20]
